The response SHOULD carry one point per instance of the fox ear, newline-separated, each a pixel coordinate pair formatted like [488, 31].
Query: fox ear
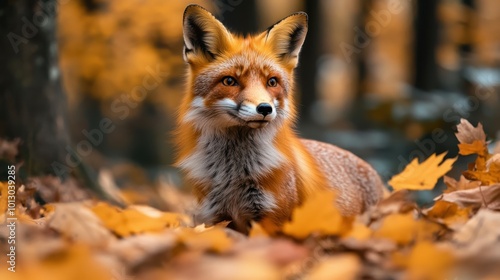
[204, 35]
[287, 37]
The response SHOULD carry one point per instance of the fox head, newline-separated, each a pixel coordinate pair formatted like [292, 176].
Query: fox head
[237, 81]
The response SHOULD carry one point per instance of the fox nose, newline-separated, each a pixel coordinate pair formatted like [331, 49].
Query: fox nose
[264, 109]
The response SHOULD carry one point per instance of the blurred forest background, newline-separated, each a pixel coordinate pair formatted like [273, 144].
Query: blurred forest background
[99, 81]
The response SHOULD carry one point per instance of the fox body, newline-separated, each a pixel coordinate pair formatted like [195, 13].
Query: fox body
[235, 140]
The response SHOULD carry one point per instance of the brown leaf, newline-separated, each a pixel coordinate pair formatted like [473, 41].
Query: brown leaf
[79, 223]
[136, 249]
[462, 184]
[478, 238]
[448, 213]
[467, 133]
[484, 196]
[422, 176]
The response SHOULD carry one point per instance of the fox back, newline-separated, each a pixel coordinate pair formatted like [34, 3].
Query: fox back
[235, 140]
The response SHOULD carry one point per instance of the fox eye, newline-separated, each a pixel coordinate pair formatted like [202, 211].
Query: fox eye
[272, 82]
[229, 81]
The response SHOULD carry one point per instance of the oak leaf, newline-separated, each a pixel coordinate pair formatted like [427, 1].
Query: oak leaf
[422, 176]
[317, 215]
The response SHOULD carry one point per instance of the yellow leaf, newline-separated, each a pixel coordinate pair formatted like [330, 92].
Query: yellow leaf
[422, 176]
[212, 239]
[345, 267]
[400, 228]
[318, 215]
[132, 221]
[359, 231]
[257, 231]
[427, 261]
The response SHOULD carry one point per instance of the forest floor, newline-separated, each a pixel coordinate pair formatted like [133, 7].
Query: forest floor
[56, 230]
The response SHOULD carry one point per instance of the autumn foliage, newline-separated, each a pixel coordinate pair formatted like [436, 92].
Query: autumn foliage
[455, 238]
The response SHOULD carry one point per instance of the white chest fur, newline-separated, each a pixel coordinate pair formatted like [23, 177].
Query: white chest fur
[229, 165]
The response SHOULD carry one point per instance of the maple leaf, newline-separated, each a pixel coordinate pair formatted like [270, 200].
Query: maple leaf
[467, 133]
[461, 184]
[319, 215]
[422, 176]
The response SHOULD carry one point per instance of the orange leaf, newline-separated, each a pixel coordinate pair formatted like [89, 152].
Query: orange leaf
[401, 228]
[131, 221]
[477, 147]
[422, 176]
[318, 214]
[449, 213]
[427, 261]
[212, 239]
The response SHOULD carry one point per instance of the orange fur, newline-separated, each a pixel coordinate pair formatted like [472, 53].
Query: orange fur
[292, 168]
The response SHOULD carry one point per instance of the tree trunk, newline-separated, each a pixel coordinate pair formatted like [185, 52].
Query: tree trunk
[32, 102]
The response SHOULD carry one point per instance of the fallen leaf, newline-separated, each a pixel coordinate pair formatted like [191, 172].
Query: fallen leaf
[400, 228]
[478, 238]
[428, 261]
[462, 184]
[136, 249]
[345, 267]
[76, 221]
[423, 176]
[132, 221]
[318, 214]
[467, 133]
[484, 196]
[477, 147]
[212, 239]
[257, 231]
[359, 231]
[448, 213]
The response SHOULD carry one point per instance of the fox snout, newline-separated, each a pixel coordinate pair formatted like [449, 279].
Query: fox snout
[256, 116]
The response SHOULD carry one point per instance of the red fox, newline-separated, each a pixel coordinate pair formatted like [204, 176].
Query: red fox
[235, 139]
